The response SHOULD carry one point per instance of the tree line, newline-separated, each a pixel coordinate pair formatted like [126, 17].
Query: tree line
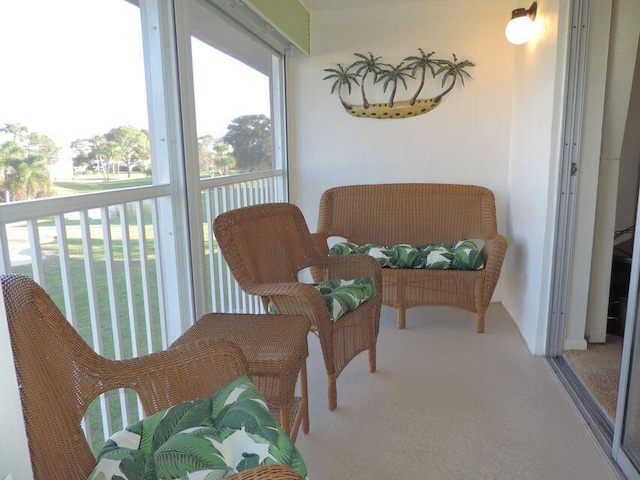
[25, 155]
[121, 146]
[246, 147]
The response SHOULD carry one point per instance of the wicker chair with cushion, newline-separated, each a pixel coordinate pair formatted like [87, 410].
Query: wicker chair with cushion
[420, 214]
[267, 246]
[59, 375]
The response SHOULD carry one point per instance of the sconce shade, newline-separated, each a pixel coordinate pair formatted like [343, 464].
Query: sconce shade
[521, 27]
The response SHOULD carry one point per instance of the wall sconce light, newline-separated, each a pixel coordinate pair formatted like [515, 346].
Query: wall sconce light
[521, 28]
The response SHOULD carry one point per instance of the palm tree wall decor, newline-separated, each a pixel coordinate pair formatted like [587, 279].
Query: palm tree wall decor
[390, 77]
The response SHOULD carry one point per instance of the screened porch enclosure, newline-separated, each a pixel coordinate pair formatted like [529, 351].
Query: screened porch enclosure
[124, 244]
[104, 267]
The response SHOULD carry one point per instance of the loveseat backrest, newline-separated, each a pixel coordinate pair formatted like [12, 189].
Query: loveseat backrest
[415, 213]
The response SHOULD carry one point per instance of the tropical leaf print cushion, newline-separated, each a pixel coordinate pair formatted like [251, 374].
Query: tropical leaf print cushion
[436, 256]
[342, 296]
[210, 438]
[464, 255]
[343, 248]
[379, 252]
[404, 256]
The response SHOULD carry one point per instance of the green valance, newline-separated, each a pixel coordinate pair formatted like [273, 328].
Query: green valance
[289, 17]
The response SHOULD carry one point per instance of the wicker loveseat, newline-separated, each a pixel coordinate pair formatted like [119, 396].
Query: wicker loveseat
[420, 214]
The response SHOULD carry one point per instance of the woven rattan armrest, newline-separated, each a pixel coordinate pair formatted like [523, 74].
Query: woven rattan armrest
[354, 266]
[320, 241]
[159, 378]
[293, 299]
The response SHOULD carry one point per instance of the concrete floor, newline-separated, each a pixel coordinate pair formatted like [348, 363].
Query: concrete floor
[447, 403]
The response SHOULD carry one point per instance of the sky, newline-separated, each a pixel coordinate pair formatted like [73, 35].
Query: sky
[74, 69]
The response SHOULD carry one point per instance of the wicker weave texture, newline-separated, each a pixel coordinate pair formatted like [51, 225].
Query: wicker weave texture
[418, 214]
[266, 246]
[276, 350]
[59, 375]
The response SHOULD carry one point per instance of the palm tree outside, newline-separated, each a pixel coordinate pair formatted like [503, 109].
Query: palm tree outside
[30, 178]
[8, 151]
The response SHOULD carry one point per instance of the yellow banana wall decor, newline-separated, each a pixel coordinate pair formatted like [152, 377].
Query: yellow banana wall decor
[390, 76]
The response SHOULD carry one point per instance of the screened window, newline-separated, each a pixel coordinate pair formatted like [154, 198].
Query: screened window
[233, 97]
[74, 108]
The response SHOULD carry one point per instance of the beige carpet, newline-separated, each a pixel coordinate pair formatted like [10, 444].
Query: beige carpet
[447, 403]
[599, 369]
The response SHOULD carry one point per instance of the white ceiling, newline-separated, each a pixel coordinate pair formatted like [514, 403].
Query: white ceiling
[318, 5]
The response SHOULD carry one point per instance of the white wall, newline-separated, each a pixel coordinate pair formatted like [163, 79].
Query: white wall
[502, 131]
[464, 140]
[533, 167]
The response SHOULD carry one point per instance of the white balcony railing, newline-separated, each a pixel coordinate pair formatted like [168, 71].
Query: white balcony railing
[98, 257]
[218, 195]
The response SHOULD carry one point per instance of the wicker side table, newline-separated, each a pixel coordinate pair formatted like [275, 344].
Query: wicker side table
[276, 350]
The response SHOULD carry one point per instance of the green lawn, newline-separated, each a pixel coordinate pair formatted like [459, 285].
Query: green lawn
[95, 183]
[107, 329]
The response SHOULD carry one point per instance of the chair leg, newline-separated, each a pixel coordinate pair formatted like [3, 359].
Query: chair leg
[332, 393]
[305, 398]
[372, 358]
[480, 322]
[402, 318]
[284, 420]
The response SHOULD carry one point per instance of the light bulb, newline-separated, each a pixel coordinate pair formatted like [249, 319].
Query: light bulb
[519, 30]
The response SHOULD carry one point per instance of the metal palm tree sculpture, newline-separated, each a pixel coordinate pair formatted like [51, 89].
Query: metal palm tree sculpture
[422, 63]
[390, 76]
[366, 65]
[341, 76]
[455, 70]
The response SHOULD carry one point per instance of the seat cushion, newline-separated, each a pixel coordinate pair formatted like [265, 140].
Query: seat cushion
[213, 437]
[436, 256]
[464, 255]
[341, 296]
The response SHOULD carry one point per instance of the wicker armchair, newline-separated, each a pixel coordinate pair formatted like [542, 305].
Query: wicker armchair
[418, 214]
[60, 375]
[266, 246]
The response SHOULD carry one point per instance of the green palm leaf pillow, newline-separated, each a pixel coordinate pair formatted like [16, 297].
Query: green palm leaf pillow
[206, 439]
[436, 256]
[343, 248]
[342, 296]
[379, 252]
[404, 255]
[467, 256]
